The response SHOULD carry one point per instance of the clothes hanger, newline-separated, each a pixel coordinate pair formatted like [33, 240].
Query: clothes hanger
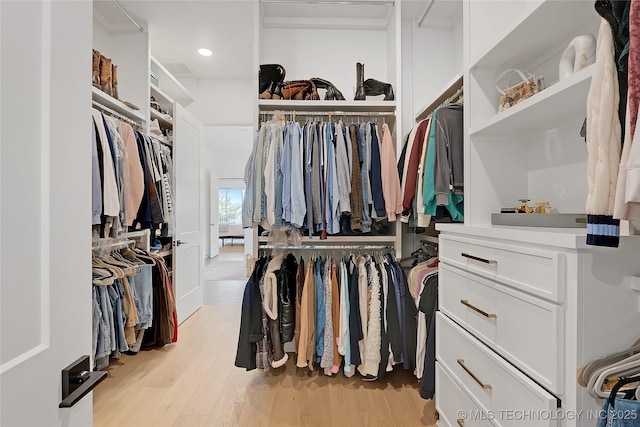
[608, 360]
[102, 276]
[134, 264]
[617, 388]
[119, 274]
[144, 256]
[126, 267]
[629, 366]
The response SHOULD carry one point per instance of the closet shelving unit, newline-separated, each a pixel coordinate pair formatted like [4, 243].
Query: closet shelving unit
[554, 104]
[127, 44]
[348, 32]
[544, 127]
[167, 93]
[433, 70]
[523, 308]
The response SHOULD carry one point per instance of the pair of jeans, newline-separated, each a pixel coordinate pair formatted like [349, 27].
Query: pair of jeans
[116, 293]
[143, 285]
[106, 330]
[97, 317]
[623, 413]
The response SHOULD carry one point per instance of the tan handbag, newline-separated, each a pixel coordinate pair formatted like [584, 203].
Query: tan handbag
[510, 94]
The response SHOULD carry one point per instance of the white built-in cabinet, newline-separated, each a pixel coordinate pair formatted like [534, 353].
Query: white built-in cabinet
[523, 308]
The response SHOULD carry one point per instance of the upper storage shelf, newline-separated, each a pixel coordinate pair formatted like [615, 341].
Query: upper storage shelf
[169, 85]
[355, 106]
[541, 111]
[116, 105]
[537, 33]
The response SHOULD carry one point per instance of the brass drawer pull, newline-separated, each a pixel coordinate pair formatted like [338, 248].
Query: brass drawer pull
[477, 310]
[476, 258]
[480, 383]
[460, 422]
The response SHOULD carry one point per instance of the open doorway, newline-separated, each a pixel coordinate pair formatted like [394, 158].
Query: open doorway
[231, 234]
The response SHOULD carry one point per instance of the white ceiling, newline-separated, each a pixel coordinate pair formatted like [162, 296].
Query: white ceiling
[178, 28]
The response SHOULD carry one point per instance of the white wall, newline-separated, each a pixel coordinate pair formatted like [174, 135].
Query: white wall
[331, 55]
[231, 147]
[224, 155]
[222, 102]
[491, 18]
[207, 170]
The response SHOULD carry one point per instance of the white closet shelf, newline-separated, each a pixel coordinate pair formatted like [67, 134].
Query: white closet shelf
[450, 89]
[161, 139]
[351, 106]
[162, 118]
[547, 107]
[116, 105]
[536, 34]
[170, 85]
[363, 239]
[165, 101]
[165, 253]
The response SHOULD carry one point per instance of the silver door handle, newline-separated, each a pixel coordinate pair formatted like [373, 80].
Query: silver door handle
[180, 242]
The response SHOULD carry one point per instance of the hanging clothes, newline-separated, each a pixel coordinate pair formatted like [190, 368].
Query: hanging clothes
[321, 177]
[603, 144]
[343, 315]
[124, 307]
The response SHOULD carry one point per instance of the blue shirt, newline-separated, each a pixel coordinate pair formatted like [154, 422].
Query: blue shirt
[298, 206]
[333, 193]
[285, 169]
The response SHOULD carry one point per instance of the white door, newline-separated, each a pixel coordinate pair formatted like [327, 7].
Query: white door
[45, 208]
[214, 223]
[188, 240]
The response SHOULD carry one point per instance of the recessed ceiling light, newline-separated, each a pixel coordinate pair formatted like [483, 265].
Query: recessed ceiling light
[205, 52]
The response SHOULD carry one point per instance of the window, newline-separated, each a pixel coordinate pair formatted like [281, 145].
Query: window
[230, 205]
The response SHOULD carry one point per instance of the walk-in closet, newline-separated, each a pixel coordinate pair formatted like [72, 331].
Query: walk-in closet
[313, 212]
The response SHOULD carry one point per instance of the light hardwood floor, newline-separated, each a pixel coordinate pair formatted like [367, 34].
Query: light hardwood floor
[195, 383]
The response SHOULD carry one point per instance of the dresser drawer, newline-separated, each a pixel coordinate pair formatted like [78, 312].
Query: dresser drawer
[494, 384]
[455, 408]
[526, 330]
[539, 272]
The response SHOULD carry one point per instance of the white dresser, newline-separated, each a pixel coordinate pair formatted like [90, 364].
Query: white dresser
[520, 311]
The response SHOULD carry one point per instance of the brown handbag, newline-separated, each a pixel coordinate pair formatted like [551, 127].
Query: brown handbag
[299, 90]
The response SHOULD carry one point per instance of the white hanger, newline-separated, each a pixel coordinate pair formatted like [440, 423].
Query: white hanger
[609, 360]
[626, 367]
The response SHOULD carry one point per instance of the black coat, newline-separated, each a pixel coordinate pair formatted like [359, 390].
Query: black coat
[251, 320]
[287, 297]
